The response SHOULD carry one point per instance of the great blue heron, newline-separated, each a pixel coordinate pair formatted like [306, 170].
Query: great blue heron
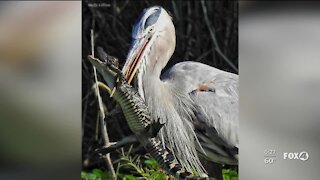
[197, 103]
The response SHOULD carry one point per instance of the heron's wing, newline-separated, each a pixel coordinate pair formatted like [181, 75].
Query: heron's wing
[217, 122]
[215, 96]
[217, 105]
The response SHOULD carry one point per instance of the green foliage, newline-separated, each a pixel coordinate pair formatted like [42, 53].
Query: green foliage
[229, 174]
[96, 174]
[152, 163]
[135, 167]
[130, 168]
[148, 170]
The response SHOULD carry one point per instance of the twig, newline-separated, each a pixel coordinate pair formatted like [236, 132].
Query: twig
[103, 127]
[213, 37]
[128, 140]
[203, 55]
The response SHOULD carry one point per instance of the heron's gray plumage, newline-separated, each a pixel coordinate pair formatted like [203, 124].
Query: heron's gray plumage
[197, 103]
[216, 108]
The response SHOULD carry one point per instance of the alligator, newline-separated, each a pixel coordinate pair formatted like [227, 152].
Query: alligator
[139, 118]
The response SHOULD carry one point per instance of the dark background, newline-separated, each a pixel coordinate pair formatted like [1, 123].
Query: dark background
[113, 21]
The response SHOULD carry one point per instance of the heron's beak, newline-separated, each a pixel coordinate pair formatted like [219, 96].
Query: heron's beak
[134, 58]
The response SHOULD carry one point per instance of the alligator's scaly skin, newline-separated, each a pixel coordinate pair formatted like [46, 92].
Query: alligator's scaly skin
[141, 123]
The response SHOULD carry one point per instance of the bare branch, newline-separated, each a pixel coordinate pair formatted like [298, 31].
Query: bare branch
[102, 124]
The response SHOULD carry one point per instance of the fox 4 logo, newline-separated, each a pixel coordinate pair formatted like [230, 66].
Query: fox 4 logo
[303, 156]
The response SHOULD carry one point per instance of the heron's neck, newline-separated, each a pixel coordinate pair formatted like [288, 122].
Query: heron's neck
[150, 86]
[149, 83]
[173, 109]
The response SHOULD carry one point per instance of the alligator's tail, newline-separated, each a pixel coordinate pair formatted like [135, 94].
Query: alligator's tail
[168, 162]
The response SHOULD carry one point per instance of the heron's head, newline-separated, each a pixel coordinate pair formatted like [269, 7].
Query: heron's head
[153, 43]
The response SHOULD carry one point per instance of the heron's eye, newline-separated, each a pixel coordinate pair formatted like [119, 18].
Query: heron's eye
[151, 29]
